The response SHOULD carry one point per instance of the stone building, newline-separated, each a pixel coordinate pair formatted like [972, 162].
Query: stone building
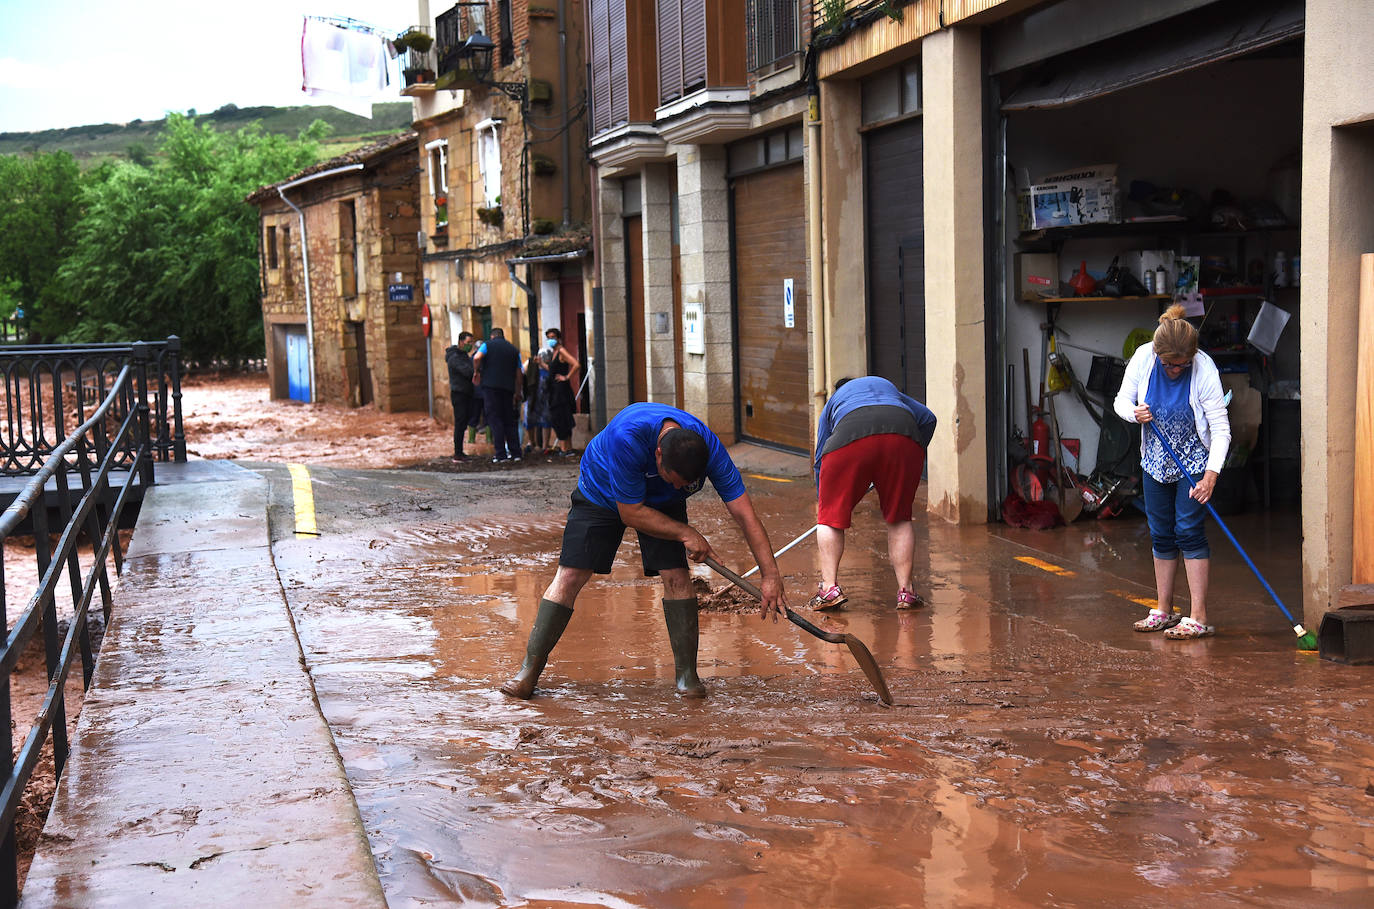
[504, 199]
[341, 285]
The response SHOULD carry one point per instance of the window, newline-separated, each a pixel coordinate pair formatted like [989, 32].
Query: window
[892, 93]
[270, 244]
[285, 254]
[438, 183]
[772, 31]
[507, 35]
[348, 249]
[771, 150]
[489, 160]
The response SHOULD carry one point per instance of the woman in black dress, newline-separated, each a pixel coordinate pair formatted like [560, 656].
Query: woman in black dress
[558, 392]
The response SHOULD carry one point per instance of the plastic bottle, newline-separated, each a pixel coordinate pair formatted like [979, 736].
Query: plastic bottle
[1161, 281]
[1297, 270]
[1235, 329]
[1280, 269]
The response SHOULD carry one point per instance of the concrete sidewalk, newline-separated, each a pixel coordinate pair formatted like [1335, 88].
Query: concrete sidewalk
[202, 772]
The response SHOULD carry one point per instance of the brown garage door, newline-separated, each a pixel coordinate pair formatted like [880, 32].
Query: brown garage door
[770, 248]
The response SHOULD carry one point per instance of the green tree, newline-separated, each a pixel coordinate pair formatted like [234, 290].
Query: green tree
[171, 248]
[39, 206]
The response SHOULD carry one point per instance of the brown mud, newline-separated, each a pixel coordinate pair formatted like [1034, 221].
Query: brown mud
[1039, 752]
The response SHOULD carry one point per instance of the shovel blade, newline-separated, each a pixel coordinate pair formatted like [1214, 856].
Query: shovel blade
[859, 651]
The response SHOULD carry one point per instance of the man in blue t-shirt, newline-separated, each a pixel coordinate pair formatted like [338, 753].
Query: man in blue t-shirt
[638, 472]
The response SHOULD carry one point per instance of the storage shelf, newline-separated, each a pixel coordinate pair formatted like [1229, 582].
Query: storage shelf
[1099, 299]
[1133, 228]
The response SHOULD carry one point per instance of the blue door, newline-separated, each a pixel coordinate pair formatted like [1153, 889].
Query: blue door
[297, 365]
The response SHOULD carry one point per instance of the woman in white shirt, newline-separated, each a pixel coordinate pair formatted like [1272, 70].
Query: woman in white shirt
[1173, 384]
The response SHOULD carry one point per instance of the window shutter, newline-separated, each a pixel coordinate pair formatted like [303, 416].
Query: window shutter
[669, 50]
[601, 66]
[693, 44]
[620, 67]
[785, 40]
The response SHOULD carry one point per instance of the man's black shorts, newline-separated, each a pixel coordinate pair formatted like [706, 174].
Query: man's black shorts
[593, 534]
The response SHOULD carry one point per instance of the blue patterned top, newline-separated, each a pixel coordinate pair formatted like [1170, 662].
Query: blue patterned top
[1168, 401]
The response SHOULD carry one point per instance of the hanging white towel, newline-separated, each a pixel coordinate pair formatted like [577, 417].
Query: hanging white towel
[343, 61]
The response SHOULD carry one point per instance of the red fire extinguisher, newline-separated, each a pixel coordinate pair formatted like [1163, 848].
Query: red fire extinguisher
[1040, 439]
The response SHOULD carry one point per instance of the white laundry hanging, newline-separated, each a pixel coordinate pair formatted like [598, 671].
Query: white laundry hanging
[340, 60]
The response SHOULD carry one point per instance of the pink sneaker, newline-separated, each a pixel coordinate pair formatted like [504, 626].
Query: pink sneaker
[906, 599]
[824, 599]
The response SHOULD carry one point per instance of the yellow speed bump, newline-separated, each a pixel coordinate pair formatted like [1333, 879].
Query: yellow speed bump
[304, 496]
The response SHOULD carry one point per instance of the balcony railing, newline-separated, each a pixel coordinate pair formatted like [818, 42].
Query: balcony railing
[454, 27]
[51, 388]
[115, 433]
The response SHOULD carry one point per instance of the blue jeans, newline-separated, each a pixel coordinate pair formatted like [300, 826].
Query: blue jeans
[1176, 520]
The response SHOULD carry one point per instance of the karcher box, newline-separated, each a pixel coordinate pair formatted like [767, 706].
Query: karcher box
[1089, 195]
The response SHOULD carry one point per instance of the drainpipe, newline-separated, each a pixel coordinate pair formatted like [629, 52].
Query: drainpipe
[820, 348]
[305, 259]
[563, 81]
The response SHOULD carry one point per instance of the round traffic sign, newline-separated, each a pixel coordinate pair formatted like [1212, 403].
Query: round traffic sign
[424, 319]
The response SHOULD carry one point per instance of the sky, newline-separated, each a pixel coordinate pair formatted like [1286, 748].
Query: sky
[74, 62]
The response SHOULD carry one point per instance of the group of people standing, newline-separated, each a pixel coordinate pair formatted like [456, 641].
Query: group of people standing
[488, 380]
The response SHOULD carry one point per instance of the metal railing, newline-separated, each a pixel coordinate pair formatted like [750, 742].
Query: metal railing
[453, 27]
[51, 388]
[92, 451]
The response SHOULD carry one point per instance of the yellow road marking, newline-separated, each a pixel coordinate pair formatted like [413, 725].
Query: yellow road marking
[1046, 566]
[1147, 602]
[304, 496]
[760, 476]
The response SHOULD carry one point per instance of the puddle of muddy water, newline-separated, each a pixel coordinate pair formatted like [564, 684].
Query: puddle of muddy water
[1034, 755]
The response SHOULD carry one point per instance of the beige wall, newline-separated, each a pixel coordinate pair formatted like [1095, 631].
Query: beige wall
[1338, 225]
[951, 67]
[842, 212]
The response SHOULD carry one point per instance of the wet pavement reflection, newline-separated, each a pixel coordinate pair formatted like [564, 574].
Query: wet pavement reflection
[1039, 752]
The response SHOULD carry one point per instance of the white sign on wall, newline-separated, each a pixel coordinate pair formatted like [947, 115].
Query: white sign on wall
[693, 326]
[789, 311]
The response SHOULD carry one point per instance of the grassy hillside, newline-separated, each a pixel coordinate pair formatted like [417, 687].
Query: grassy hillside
[103, 140]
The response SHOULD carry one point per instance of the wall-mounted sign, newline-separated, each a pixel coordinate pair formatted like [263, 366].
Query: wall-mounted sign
[400, 293]
[424, 319]
[789, 312]
[661, 323]
[694, 326]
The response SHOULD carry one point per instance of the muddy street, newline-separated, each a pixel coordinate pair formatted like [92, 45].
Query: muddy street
[1039, 752]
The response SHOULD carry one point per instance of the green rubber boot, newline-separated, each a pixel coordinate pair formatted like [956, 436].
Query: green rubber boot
[548, 628]
[681, 618]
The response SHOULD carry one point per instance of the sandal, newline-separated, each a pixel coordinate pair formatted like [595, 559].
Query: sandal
[1189, 628]
[1158, 620]
[909, 600]
[825, 599]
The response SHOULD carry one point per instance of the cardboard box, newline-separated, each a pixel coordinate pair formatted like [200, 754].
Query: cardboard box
[1036, 276]
[1088, 195]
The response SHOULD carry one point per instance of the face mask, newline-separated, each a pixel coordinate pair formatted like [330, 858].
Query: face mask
[551, 343]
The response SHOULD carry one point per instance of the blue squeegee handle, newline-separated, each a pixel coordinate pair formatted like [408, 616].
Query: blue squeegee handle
[1232, 537]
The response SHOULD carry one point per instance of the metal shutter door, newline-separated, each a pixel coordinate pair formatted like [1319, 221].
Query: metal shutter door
[620, 66]
[770, 245]
[896, 256]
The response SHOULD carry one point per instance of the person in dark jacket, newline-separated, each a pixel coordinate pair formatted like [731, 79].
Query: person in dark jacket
[870, 434]
[559, 398]
[460, 388]
[499, 362]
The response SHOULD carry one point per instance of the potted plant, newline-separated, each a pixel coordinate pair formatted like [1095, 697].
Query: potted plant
[491, 216]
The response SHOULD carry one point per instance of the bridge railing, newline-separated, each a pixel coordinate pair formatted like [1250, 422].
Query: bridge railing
[114, 437]
[52, 388]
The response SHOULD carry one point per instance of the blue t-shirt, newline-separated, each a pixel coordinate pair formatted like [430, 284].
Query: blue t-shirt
[619, 464]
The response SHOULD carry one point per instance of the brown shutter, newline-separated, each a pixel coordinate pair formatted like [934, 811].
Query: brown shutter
[620, 66]
[694, 44]
[669, 50]
[601, 65]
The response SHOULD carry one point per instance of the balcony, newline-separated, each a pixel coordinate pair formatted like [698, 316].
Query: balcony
[416, 46]
[451, 30]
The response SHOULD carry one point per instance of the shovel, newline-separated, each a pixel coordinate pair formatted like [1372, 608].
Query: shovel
[856, 647]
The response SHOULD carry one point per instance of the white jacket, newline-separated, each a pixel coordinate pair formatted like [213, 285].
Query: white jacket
[1205, 396]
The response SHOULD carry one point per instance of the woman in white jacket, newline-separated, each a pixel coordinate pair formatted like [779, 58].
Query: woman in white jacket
[1178, 387]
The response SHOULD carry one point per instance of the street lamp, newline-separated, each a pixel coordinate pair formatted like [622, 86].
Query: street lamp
[478, 50]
